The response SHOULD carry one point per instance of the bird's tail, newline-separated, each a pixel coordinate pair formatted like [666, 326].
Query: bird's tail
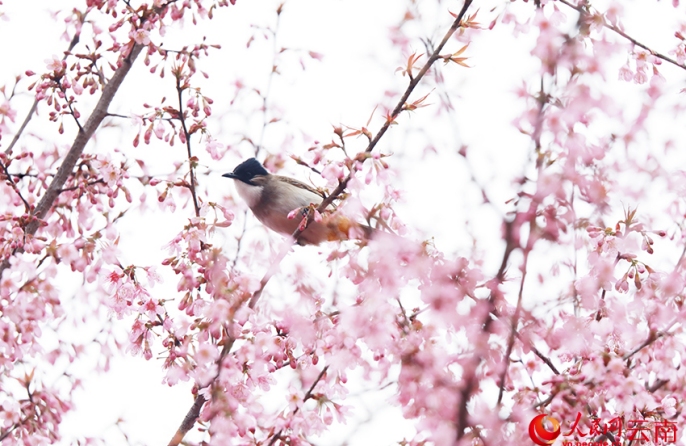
[342, 228]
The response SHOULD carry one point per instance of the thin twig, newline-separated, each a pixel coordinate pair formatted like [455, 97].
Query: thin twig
[272, 72]
[27, 207]
[584, 10]
[89, 183]
[117, 115]
[652, 337]
[72, 112]
[513, 331]
[21, 422]
[308, 395]
[74, 41]
[273, 269]
[28, 117]
[187, 137]
[265, 123]
[239, 239]
[400, 105]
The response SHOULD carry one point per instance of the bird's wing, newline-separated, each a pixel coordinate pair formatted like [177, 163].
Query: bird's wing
[301, 185]
[307, 187]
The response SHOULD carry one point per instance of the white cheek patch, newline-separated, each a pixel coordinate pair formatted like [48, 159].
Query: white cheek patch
[251, 194]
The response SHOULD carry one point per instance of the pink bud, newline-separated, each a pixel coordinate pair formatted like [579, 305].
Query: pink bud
[293, 213]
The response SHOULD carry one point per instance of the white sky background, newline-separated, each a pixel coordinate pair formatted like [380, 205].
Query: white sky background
[343, 88]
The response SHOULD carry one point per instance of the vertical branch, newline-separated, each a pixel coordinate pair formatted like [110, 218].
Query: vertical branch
[187, 137]
[265, 122]
[513, 330]
[265, 97]
[469, 380]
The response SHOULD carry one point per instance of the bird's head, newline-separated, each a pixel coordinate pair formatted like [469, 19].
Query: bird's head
[247, 171]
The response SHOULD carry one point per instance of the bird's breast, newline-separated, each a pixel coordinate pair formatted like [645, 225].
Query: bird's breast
[251, 194]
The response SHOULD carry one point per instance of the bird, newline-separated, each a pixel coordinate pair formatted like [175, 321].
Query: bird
[273, 198]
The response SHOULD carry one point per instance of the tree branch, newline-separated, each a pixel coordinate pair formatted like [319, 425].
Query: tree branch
[29, 115]
[307, 396]
[327, 201]
[187, 137]
[77, 148]
[584, 10]
[399, 106]
[188, 420]
[513, 331]
[27, 207]
[374, 141]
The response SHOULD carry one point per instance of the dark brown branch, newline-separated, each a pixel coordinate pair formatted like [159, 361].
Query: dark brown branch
[187, 136]
[584, 10]
[90, 183]
[72, 112]
[188, 420]
[27, 207]
[400, 105]
[544, 358]
[77, 147]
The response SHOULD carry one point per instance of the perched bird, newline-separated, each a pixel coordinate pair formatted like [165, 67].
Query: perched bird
[271, 198]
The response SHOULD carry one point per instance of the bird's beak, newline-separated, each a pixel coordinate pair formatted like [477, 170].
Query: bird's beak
[230, 175]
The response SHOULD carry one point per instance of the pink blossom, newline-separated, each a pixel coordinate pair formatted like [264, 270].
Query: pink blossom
[140, 36]
[6, 111]
[333, 173]
[54, 64]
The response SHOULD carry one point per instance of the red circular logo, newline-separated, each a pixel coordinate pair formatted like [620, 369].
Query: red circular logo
[538, 432]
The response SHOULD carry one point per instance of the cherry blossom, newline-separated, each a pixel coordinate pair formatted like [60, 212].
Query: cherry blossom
[566, 299]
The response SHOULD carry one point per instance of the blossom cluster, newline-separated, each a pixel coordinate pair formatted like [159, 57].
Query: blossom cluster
[572, 307]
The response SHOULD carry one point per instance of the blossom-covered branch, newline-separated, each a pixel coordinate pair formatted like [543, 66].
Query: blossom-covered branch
[77, 147]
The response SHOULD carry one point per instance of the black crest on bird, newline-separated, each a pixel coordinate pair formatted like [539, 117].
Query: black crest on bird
[247, 170]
